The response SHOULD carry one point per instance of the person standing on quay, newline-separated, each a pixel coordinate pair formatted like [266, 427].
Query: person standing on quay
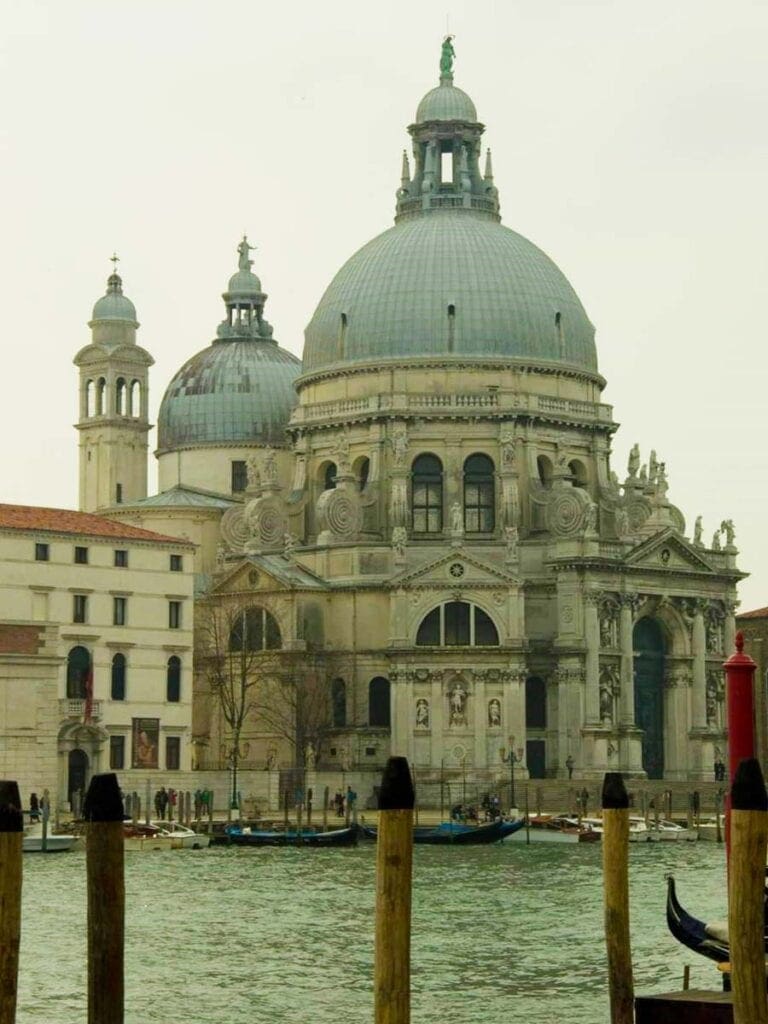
[569, 765]
[34, 808]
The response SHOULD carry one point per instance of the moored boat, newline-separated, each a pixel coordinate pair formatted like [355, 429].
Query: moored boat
[638, 830]
[32, 841]
[162, 835]
[710, 940]
[456, 833]
[235, 835]
[545, 828]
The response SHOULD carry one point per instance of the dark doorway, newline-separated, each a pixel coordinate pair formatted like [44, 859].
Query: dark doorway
[648, 643]
[78, 773]
[536, 758]
[378, 702]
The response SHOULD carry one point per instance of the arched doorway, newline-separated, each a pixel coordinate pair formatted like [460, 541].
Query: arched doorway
[77, 776]
[648, 644]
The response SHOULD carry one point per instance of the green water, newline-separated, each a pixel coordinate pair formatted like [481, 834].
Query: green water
[500, 934]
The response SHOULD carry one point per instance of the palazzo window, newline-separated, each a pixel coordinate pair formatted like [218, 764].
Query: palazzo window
[173, 680]
[457, 624]
[117, 691]
[479, 497]
[78, 673]
[427, 495]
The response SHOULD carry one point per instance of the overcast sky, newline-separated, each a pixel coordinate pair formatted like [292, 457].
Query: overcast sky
[629, 143]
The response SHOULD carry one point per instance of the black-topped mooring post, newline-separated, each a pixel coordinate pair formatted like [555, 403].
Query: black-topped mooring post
[103, 811]
[394, 862]
[616, 885]
[746, 893]
[11, 838]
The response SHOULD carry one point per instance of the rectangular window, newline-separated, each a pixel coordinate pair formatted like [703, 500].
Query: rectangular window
[81, 556]
[427, 507]
[117, 751]
[79, 608]
[118, 494]
[42, 552]
[176, 563]
[239, 477]
[119, 610]
[172, 752]
[121, 559]
[174, 614]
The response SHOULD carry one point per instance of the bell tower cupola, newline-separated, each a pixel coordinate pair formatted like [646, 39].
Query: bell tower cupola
[113, 418]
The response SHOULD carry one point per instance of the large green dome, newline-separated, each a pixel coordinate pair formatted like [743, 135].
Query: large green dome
[450, 284]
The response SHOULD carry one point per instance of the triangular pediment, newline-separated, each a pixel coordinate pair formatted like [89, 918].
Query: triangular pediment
[266, 573]
[457, 566]
[668, 550]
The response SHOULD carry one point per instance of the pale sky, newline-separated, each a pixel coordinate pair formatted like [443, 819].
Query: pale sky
[629, 142]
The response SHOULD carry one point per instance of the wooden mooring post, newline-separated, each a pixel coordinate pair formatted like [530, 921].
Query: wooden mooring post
[11, 828]
[616, 885]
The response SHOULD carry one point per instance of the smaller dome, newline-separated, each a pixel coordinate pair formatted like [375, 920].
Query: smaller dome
[114, 305]
[446, 103]
[244, 282]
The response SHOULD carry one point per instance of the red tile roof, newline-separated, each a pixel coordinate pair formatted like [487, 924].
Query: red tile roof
[63, 520]
[758, 613]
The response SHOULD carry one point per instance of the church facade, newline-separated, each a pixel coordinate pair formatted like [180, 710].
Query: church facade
[417, 529]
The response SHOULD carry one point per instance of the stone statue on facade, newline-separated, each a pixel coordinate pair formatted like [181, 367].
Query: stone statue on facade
[590, 519]
[244, 263]
[399, 442]
[422, 713]
[399, 542]
[662, 484]
[447, 55]
[340, 452]
[290, 544]
[458, 704]
[271, 764]
[270, 466]
[507, 440]
[698, 529]
[633, 465]
[621, 522]
[309, 757]
[711, 698]
[457, 519]
[252, 472]
[511, 538]
[494, 713]
[716, 541]
[730, 534]
[653, 468]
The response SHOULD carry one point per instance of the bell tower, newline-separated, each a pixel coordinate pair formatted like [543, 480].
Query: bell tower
[114, 404]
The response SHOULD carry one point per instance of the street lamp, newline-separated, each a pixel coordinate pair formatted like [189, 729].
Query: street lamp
[512, 758]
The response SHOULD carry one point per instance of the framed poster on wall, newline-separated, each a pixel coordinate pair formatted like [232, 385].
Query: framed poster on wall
[146, 739]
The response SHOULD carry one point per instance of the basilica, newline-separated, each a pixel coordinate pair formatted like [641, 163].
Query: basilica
[417, 529]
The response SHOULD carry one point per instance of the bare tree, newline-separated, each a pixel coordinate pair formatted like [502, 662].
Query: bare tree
[295, 705]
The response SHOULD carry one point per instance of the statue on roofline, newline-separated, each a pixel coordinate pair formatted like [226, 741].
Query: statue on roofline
[447, 55]
[244, 248]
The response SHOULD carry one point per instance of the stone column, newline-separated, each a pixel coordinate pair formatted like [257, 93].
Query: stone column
[729, 629]
[627, 697]
[699, 652]
[562, 675]
[436, 720]
[592, 665]
[480, 722]
[401, 731]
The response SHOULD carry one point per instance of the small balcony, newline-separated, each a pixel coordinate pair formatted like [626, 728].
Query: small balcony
[72, 707]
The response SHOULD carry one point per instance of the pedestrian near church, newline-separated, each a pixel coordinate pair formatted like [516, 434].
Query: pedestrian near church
[569, 765]
[34, 808]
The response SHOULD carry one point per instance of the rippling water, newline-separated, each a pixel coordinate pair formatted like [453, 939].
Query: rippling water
[499, 933]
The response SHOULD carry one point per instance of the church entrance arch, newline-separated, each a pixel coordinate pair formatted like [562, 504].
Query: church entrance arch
[77, 776]
[649, 650]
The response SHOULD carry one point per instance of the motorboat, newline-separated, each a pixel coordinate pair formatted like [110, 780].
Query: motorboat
[708, 829]
[665, 831]
[245, 835]
[182, 838]
[547, 828]
[457, 833]
[32, 841]
[638, 829]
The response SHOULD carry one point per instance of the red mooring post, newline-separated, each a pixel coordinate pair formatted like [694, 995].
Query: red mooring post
[740, 705]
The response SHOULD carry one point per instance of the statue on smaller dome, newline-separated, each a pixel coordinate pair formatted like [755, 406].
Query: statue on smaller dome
[447, 55]
[244, 263]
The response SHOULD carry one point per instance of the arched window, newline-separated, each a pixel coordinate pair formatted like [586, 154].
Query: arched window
[255, 629]
[479, 494]
[118, 677]
[457, 624]
[378, 702]
[544, 467]
[338, 703]
[173, 680]
[134, 399]
[578, 473]
[535, 703]
[120, 391]
[427, 494]
[90, 392]
[329, 476]
[100, 389]
[78, 673]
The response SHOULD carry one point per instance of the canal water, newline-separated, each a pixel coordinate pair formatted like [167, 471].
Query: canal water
[501, 933]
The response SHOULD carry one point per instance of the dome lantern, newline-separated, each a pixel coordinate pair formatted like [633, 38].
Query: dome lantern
[114, 305]
[245, 302]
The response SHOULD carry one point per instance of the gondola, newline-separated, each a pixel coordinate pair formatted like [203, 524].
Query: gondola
[234, 835]
[694, 934]
[452, 833]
